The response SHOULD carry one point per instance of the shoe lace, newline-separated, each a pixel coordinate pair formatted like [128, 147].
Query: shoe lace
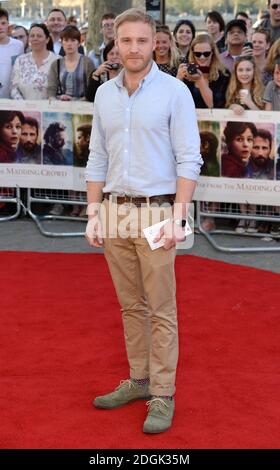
[158, 404]
[126, 383]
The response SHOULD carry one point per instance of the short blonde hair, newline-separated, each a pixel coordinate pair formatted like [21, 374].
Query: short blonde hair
[134, 14]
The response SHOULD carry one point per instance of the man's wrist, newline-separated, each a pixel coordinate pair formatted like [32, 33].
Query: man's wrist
[93, 209]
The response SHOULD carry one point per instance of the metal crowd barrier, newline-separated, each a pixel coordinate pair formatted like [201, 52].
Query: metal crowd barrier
[231, 211]
[10, 195]
[63, 197]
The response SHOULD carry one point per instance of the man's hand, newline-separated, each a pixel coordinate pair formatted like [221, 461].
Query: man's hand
[172, 233]
[94, 232]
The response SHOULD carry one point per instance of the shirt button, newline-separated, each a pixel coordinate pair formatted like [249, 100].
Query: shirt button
[125, 172]
[125, 151]
[126, 129]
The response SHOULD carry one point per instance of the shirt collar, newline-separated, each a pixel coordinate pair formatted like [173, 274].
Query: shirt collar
[144, 82]
[44, 60]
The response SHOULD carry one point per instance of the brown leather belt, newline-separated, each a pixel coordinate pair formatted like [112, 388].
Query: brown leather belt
[138, 201]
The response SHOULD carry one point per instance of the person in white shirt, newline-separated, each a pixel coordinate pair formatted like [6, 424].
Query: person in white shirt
[9, 49]
[144, 159]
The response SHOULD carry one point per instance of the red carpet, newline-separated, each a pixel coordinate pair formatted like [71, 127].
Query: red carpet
[61, 344]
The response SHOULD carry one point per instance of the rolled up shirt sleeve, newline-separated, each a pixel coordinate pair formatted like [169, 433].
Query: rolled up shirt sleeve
[97, 165]
[184, 134]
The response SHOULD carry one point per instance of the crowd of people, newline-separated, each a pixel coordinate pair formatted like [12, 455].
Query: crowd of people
[231, 65]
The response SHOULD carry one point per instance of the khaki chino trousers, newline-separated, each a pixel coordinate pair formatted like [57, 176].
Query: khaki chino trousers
[145, 284]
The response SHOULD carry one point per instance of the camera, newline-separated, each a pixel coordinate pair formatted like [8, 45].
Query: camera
[192, 69]
[248, 44]
[115, 66]
[183, 60]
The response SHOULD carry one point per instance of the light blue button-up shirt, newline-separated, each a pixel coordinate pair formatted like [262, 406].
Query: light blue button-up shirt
[141, 143]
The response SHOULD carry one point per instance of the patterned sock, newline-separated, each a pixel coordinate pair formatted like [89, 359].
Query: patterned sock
[141, 381]
[166, 397]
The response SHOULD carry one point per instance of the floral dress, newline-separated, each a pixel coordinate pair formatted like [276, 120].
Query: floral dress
[30, 82]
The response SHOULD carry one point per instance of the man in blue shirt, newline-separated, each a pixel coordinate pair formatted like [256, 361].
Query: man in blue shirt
[144, 155]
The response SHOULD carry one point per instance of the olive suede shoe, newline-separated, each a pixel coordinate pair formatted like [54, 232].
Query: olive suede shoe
[126, 392]
[160, 415]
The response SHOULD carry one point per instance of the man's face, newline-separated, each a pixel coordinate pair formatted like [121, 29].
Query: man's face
[135, 42]
[4, 26]
[236, 37]
[28, 138]
[58, 140]
[82, 140]
[20, 34]
[260, 151]
[107, 29]
[56, 22]
[274, 10]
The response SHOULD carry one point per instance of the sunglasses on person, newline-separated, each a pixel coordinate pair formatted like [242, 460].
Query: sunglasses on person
[204, 54]
[274, 6]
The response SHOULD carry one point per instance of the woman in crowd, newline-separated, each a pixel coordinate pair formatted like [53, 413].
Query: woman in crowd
[109, 69]
[215, 27]
[208, 79]
[245, 89]
[245, 92]
[10, 130]
[166, 54]
[184, 33]
[30, 72]
[207, 85]
[68, 76]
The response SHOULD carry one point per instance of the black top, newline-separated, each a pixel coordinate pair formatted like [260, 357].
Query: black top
[167, 69]
[218, 87]
[221, 44]
[93, 85]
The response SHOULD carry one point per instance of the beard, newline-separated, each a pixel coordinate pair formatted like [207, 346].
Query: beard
[136, 64]
[260, 161]
[29, 147]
